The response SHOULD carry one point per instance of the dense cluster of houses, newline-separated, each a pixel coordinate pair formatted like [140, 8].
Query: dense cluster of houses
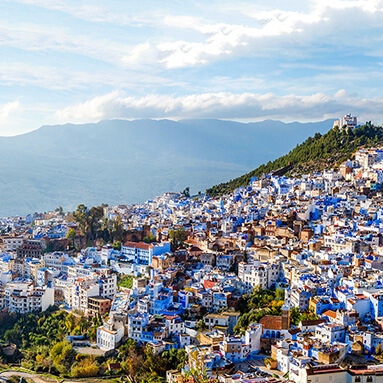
[318, 237]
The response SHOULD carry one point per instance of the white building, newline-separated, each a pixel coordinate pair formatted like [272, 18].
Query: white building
[348, 121]
[142, 253]
[110, 334]
[12, 243]
[29, 300]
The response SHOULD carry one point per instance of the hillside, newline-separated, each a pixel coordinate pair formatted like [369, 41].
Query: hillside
[316, 153]
[118, 161]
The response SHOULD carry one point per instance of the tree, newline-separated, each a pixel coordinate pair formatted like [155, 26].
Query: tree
[12, 336]
[149, 239]
[71, 235]
[81, 216]
[89, 221]
[62, 355]
[197, 372]
[132, 364]
[106, 228]
[245, 256]
[96, 213]
[60, 210]
[279, 294]
[118, 230]
[70, 323]
[200, 325]
[295, 316]
[86, 367]
[176, 359]
[177, 237]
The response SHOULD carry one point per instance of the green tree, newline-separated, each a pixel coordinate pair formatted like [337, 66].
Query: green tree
[71, 235]
[62, 355]
[186, 192]
[177, 237]
[96, 213]
[70, 323]
[81, 216]
[118, 230]
[90, 221]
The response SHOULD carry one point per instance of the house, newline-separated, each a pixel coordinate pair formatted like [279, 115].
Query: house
[110, 334]
[142, 253]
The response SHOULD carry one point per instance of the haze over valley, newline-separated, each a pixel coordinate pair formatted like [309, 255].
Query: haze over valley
[119, 161]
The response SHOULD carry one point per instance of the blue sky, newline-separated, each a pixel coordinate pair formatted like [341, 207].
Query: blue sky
[83, 61]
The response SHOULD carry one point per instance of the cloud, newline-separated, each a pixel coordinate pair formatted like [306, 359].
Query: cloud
[269, 31]
[65, 78]
[222, 105]
[36, 37]
[7, 110]
[89, 12]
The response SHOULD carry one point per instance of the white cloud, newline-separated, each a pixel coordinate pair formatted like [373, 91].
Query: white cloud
[89, 12]
[65, 78]
[35, 37]
[275, 30]
[7, 110]
[222, 105]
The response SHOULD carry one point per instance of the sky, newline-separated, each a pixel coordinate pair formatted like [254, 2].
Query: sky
[80, 61]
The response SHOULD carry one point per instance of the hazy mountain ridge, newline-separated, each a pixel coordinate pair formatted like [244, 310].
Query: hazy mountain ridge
[120, 161]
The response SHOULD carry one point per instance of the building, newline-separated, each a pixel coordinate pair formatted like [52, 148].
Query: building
[35, 299]
[346, 122]
[12, 243]
[98, 305]
[142, 253]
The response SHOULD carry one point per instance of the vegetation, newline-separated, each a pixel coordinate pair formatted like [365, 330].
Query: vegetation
[257, 304]
[126, 281]
[196, 372]
[186, 192]
[177, 237]
[150, 239]
[71, 235]
[318, 152]
[94, 225]
[296, 316]
[42, 347]
[40, 340]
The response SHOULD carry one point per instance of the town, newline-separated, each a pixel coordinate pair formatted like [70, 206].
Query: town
[189, 272]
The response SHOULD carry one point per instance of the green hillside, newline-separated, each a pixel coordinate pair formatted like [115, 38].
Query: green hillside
[316, 153]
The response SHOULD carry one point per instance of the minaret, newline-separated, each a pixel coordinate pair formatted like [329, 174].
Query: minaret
[285, 317]
[286, 310]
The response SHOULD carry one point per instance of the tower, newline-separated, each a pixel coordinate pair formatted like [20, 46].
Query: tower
[286, 316]
[286, 310]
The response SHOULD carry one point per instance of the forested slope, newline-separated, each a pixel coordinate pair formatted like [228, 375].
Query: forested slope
[316, 153]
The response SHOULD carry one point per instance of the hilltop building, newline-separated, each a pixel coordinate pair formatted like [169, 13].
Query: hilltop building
[346, 122]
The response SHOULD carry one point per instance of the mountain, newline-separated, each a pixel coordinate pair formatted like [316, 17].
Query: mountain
[314, 154]
[119, 161]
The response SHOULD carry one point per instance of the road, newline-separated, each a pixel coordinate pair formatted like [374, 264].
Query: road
[42, 379]
[35, 377]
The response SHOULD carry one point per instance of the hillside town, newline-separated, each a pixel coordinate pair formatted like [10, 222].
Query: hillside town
[315, 241]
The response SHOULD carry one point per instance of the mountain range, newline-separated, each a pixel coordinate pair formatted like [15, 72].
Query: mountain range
[120, 161]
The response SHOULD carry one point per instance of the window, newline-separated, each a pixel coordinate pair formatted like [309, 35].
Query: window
[369, 379]
[357, 379]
